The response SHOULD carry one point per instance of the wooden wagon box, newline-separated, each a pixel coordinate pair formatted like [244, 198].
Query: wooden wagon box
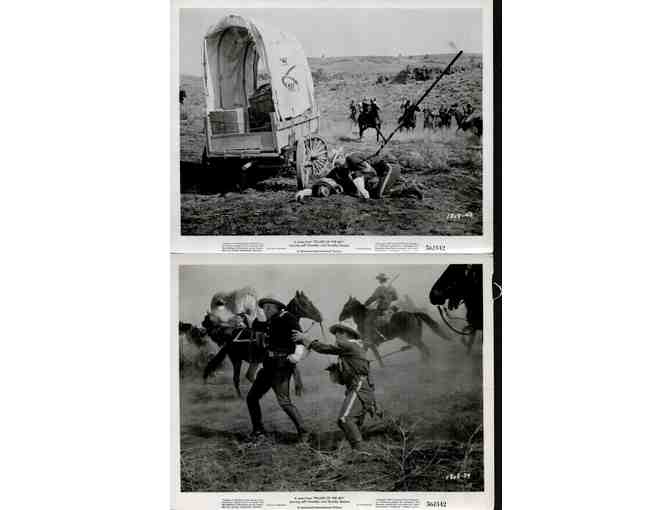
[227, 122]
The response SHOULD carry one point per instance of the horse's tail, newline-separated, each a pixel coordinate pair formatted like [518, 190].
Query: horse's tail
[433, 325]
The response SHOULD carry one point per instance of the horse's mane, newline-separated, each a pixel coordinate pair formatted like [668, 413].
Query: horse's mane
[231, 300]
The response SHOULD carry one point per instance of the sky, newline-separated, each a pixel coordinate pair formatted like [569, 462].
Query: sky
[328, 286]
[346, 32]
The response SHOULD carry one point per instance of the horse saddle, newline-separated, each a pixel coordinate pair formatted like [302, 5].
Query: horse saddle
[380, 323]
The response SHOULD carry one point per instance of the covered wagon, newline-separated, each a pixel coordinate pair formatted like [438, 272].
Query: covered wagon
[260, 105]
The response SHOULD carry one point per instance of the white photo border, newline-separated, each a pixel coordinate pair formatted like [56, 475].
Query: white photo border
[454, 500]
[287, 244]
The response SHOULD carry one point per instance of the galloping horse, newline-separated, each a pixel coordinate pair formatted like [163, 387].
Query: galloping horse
[369, 119]
[404, 325]
[407, 120]
[242, 341]
[461, 284]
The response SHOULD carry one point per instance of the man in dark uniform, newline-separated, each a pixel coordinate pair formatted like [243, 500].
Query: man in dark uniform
[282, 353]
[365, 107]
[353, 175]
[352, 371]
[375, 109]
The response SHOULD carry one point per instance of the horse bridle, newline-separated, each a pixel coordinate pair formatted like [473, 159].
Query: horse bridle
[445, 316]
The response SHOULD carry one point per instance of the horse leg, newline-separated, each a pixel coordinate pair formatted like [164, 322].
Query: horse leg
[374, 348]
[237, 363]
[298, 381]
[424, 350]
[415, 338]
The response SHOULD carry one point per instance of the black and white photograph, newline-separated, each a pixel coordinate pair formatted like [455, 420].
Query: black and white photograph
[333, 122]
[332, 377]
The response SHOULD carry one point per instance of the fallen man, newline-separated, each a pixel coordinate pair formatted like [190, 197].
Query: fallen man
[354, 176]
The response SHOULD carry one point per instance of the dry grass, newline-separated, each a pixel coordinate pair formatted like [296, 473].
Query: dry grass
[432, 429]
[446, 165]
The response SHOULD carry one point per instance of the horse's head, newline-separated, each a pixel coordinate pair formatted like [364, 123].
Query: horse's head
[452, 287]
[218, 330]
[193, 334]
[460, 283]
[210, 321]
[302, 306]
[348, 309]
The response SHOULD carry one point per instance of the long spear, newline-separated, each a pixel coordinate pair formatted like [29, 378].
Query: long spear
[412, 108]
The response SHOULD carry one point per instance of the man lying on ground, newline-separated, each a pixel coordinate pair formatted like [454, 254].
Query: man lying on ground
[353, 175]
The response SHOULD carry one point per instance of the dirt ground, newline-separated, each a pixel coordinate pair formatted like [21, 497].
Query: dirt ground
[430, 438]
[446, 166]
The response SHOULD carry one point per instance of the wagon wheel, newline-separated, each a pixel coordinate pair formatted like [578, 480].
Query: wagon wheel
[312, 160]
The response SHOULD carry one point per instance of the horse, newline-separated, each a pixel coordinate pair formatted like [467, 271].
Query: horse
[243, 341]
[461, 284]
[471, 122]
[369, 119]
[428, 118]
[193, 347]
[407, 120]
[444, 118]
[404, 325]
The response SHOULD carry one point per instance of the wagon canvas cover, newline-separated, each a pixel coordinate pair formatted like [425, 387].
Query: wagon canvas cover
[226, 54]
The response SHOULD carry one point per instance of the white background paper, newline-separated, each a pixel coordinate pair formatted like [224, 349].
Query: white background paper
[85, 399]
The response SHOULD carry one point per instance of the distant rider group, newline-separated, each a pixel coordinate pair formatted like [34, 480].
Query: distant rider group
[367, 113]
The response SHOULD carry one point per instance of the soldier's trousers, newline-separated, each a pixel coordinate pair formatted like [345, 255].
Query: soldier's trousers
[274, 374]
[359, 400]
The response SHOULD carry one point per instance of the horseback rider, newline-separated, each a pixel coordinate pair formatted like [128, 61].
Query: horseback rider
[427, 117]
[352, 371]
[365, 107]
[408, 115]
[444, 115]
[353, 110]
[375, 109]
[282, 353]
[383, 297]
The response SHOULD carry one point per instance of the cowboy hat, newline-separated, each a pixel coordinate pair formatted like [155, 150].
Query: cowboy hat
[270, 300]
[382, 277]
[345, 328]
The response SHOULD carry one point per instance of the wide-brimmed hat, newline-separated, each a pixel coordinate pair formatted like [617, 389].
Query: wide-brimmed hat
[382, 277]
[346, 328]
[271, 300]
